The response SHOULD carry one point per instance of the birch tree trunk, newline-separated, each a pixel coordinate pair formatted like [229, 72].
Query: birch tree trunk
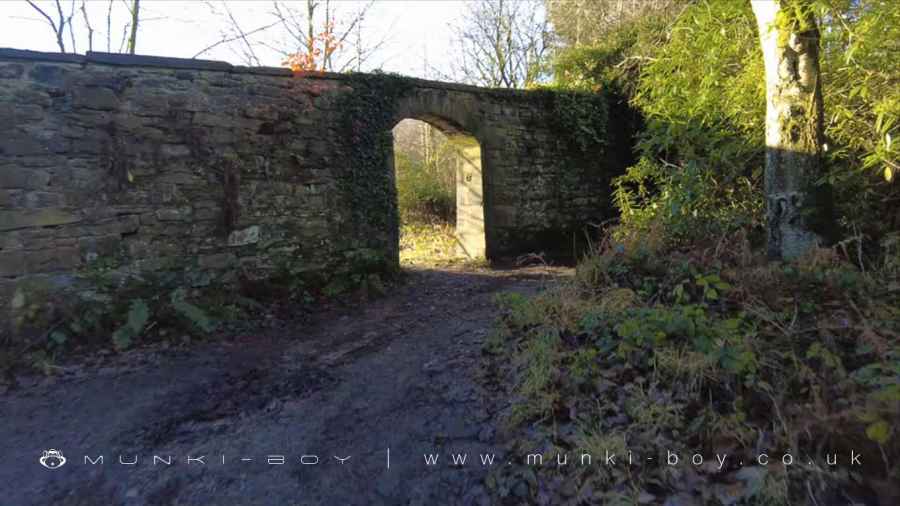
[798, 210]
[135, 19]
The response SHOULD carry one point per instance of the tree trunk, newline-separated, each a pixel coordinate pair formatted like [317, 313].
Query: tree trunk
[135, 17]
[798, 208]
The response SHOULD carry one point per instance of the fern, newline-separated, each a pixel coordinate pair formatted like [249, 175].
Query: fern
[138, 314]
[191, 312]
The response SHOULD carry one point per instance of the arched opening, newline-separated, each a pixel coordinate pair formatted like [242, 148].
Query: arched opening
[440, 193]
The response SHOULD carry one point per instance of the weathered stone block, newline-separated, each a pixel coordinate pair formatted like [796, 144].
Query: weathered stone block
[102, 99]
[40, 199]
[128, 224]
[174, 214]
[10, 198]
[13, 263]
[52, 75]
[206, 213]
[57, 259]
[188, 101]
[11, 71]
[213, 120]
[249, 235]
[217, 261]
[20, 144]
[13, 240]
[16, 114]
[11, 220]
[175, 178]
[149, 219]
[92, 248]
[175, 150]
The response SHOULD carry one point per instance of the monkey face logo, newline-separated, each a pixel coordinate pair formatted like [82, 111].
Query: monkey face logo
[52, 459]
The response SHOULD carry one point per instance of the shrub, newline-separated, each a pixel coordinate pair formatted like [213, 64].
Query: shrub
[424, 192]
[698, 79]
[802, 357]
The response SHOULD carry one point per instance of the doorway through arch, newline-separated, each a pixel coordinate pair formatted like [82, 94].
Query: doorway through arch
[440, 189]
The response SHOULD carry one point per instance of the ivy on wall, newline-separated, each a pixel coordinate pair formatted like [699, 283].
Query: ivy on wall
[580, 118]
[579, 121]
[367, 117]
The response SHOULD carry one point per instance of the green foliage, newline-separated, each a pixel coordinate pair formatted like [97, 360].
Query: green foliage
[676, 314]
[192, 313]
[582, 119]
[541, 358]
[119, 310]
[861, 76]
[423, 193]
[637, 340]
[689, 201]
[138, 314]
[646, 329]
[702, 150]
[698, 79]
[359, 270]
[432, 244]
[520, 310]
[613, 62]
[367, 117]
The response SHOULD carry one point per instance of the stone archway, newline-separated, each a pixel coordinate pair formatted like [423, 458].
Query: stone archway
[460, 120]
[467, 181]
[214, 171]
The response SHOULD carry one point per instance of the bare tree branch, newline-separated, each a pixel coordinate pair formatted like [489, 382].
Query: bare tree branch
[109, 27]
[87, 23]
[69, 22]
[124, 36]
[227, 39]
[503, 43]
[243, 36]
[59, 28]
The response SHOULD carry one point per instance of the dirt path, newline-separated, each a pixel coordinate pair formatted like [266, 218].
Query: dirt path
[398, 373]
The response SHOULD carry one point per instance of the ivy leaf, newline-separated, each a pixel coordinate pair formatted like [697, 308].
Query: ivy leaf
[58, 337]
[879, 432]
[889, 394]
[138, 314]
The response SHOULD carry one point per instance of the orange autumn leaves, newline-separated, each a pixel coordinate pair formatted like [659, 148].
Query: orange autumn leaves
[317, 53]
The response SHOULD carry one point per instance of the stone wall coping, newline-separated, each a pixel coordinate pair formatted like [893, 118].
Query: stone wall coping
[134, 60]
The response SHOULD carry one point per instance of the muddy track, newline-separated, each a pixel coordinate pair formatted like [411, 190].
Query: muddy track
[399, 373]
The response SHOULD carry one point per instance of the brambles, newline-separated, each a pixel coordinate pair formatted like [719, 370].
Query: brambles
[795, 357]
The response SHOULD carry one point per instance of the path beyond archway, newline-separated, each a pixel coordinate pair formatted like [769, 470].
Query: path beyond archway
[449, 162]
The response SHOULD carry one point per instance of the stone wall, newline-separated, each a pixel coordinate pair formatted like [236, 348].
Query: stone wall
[144, 164]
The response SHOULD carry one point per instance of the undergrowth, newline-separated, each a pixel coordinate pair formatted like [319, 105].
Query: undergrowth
[706, 350]
[428, 243]
[115, 311]
[116, 314]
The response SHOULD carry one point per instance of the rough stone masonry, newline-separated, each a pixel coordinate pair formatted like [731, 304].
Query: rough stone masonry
[142, 164]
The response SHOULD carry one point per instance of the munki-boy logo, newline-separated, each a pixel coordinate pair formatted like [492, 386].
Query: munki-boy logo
[52, 459]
